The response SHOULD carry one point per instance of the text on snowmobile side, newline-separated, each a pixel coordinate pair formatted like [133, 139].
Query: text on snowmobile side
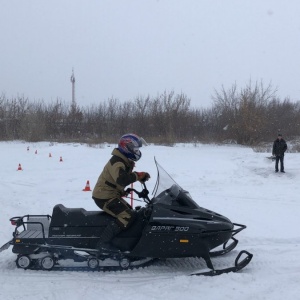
[169, 228]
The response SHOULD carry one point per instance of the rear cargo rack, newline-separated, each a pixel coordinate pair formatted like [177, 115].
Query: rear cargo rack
[34, 226]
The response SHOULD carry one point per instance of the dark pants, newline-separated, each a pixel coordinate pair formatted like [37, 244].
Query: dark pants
[119, 209]
[279, 158]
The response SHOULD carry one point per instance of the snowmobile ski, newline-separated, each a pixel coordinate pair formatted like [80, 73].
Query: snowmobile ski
[237, 266]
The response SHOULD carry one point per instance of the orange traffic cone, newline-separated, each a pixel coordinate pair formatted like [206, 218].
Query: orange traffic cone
[50, 155]
[19, 168]
[60, 159]
[87, 187]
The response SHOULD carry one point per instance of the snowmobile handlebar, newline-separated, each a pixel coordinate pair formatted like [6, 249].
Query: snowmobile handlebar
[143, 194]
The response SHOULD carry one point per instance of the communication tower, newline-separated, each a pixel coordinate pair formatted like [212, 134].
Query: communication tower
[73, 87]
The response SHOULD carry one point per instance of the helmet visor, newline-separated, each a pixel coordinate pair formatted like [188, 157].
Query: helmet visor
[135, 150]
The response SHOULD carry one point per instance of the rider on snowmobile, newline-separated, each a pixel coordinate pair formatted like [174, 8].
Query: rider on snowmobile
[110, 187]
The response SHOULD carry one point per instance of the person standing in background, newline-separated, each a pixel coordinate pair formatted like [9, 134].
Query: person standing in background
[279, 147]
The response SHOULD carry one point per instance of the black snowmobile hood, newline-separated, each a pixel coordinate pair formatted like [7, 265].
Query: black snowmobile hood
[174, 204]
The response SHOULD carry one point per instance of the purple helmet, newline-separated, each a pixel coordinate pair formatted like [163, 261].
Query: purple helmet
[129, 145]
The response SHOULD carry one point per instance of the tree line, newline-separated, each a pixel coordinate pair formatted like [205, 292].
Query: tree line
[246, 116]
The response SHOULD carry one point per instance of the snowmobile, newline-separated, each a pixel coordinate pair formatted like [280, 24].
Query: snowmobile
[170, 225]
[272, 158]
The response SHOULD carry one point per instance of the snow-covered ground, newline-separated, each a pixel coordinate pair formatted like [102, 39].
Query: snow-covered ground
[231, 180]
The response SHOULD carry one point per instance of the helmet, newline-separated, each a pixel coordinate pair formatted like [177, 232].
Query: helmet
[129, 145]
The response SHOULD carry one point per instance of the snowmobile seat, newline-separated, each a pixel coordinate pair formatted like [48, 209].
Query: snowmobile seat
[78, 217]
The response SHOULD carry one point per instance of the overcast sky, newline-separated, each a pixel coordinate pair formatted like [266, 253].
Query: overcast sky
[129, 48]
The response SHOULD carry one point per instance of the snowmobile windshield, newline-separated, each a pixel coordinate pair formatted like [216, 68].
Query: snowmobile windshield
[168, 192]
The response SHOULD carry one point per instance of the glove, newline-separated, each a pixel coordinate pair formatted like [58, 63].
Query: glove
[142, 176]
[125, 193]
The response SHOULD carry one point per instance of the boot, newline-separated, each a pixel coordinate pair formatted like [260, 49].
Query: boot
[111, 230]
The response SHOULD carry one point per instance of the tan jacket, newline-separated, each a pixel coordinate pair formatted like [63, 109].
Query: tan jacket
[116, 175]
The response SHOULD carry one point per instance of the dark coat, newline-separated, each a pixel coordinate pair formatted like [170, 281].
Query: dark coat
[279, 147]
